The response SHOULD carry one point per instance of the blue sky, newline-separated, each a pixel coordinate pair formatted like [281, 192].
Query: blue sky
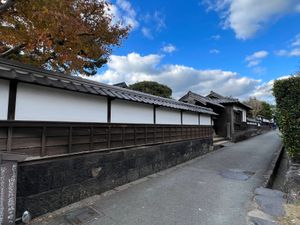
[235, 47]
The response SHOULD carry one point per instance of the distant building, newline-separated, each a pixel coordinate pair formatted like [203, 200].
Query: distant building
[232, 114]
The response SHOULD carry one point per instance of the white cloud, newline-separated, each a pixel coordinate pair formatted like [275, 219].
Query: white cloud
[214, 51]
[153, 23]
[290, 53]
[247, 17]
[135, 67]
[216, 37]
[169, 48]
[293, 50]
[256, 58]
[296, 41]
[264, 90]
[156, 20]
[123, 11]
[147, 33]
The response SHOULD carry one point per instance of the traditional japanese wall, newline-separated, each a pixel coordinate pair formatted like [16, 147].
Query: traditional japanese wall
[190, 118]
[38, 103]
[205, 120]
[167, 116]
[131, 112]
[4, 92]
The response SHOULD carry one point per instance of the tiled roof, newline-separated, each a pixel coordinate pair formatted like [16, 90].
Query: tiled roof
[24, 73]
[204, 100]
[217, 98]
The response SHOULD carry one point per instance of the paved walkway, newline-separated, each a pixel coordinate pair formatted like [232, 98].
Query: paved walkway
[214, 190]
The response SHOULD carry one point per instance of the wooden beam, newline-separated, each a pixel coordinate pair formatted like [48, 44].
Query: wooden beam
[70, 139]
[109, 109]
[181, 116]
[91, 138]
[43, 147]
[12, 100]
[154, 114]
[9, 138]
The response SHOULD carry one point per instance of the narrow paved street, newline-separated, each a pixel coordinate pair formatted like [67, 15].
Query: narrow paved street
[209, 191]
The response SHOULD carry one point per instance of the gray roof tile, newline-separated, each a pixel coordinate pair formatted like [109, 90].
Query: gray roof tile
[29, 74]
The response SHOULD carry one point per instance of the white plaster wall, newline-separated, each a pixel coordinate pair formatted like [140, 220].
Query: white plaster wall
[190, 118]
[167, 116]
[4, 93]
[244, 116]
[205, 119]
[40, 103]
[131, 112]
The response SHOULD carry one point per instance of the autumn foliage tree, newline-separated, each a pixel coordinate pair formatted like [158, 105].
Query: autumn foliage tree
[70, 36]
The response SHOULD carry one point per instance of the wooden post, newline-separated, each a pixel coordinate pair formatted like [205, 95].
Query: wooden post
[123, 136]
[12, 100]
[154, 114]
[91, 138]
[134, 135]
[181, 116]
[70, 140]
[43, 148]
[146, 135]
[109, 100]
[108, 136]
[9, 138]
[154, 135]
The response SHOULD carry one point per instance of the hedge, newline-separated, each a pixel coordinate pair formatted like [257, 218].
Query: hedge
[287, 94]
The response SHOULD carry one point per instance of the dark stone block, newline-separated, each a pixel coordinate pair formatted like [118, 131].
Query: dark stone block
[42, 203]
[157, 166]
[130, 163]
[45, 186]
[113, 156]
[146, 170]
[71, 194]
[132, 175]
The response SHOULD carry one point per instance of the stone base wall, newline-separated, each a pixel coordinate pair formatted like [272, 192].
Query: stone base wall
[47, 185]
[245, 134]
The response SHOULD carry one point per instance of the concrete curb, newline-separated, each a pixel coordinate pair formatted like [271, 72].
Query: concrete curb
[271, 172]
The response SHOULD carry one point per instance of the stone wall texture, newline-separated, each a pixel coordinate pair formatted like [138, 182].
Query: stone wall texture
[49, 184]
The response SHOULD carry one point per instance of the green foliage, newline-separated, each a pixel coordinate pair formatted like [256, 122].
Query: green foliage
[153, 88]
[260, 108]
[287, 94]
[266, 110]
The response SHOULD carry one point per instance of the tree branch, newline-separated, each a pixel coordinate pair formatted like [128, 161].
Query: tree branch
[12, 50]
[6, 5]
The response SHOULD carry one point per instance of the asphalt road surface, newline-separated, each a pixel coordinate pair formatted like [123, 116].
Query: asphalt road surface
[216, 189]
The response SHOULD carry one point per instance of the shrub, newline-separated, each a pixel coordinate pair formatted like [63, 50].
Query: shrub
[287, 94]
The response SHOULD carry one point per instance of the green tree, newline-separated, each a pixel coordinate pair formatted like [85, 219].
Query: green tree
[153, 88]
[68, 36]
[256, 106]
[266, 110]
[287, 92]
[260, 108]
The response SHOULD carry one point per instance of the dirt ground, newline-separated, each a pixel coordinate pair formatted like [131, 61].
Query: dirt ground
[292, 214]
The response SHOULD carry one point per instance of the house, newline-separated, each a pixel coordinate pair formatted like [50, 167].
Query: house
[231, 112]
